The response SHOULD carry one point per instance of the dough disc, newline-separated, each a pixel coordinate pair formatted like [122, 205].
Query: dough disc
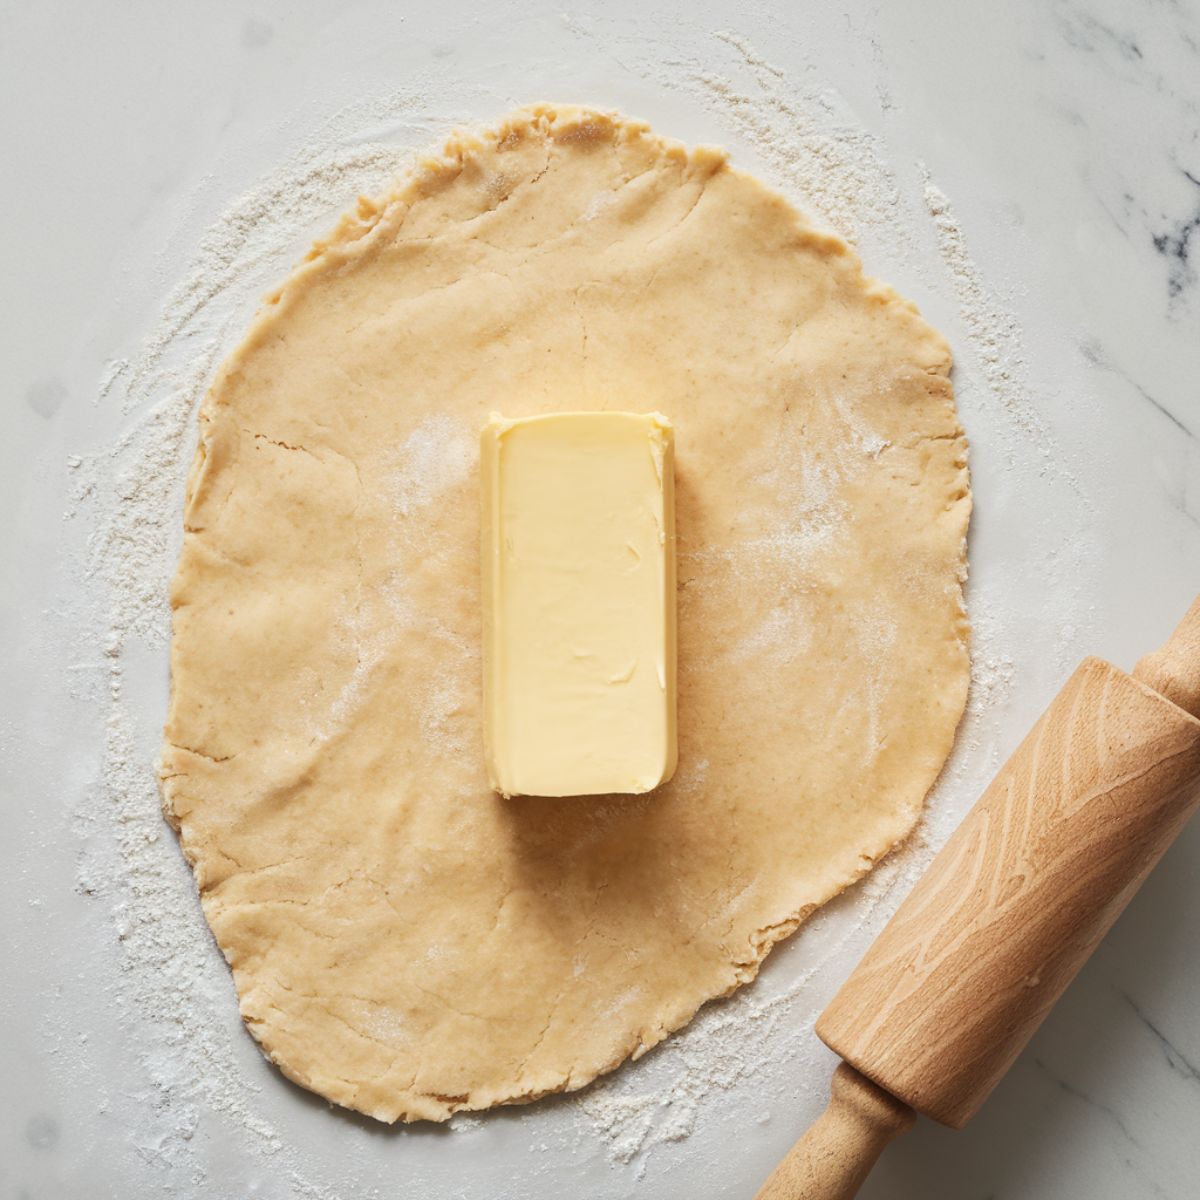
[403, 941]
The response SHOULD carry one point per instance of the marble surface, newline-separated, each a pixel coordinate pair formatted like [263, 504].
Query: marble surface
[1064, 136]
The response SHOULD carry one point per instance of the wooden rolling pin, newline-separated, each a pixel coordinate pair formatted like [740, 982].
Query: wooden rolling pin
[1006, 914]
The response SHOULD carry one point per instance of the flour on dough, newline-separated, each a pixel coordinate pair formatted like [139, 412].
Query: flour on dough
[403, 941]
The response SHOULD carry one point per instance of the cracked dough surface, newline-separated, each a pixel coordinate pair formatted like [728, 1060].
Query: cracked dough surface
[403, 941]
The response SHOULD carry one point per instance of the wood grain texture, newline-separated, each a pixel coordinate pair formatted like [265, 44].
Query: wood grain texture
[837, 1153]
[1019, 897]
[1174, 669]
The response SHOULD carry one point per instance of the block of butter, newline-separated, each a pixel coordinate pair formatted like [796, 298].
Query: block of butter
[578, 603]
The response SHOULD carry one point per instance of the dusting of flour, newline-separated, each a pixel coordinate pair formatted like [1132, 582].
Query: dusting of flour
[436, 456]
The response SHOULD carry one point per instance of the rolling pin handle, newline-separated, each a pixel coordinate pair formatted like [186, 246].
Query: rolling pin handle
[835, 1156]
[1174, 670]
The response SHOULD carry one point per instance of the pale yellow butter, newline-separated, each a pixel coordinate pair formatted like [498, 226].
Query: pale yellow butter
[578, 603]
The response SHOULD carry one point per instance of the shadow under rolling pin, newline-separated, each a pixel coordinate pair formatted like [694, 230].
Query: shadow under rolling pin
[1007, 913]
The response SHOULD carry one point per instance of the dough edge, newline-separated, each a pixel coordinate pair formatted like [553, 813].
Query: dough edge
[373, 219]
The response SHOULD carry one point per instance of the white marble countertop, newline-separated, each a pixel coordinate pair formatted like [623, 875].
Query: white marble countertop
[1039, 167]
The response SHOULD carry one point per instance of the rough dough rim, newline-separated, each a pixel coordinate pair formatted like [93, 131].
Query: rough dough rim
[355, 234]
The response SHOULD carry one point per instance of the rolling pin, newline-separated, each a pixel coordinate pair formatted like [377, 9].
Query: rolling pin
[1006, 914]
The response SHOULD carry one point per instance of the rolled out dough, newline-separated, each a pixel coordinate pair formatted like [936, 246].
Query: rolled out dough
[403, 941]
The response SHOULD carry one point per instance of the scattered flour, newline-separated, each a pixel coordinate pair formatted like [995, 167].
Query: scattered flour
[437, 456]
[994, 330]
[809, 139]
